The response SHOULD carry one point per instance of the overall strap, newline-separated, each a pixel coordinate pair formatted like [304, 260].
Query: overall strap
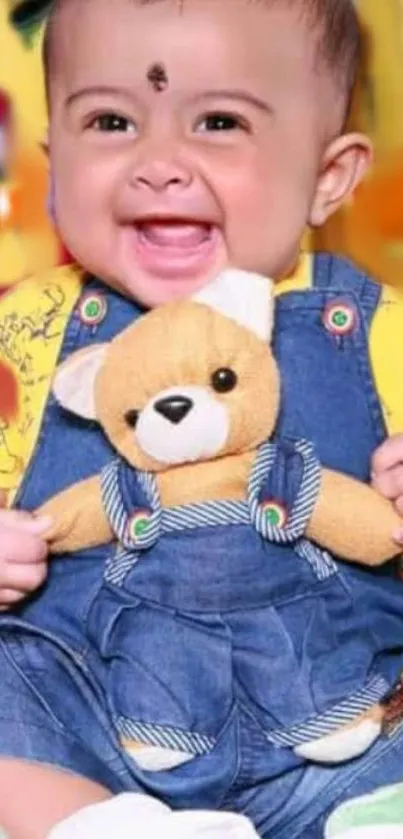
[335, 274]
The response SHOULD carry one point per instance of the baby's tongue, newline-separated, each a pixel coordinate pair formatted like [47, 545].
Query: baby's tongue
[168, 234]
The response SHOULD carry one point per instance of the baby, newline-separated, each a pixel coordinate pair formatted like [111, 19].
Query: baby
[184, 137]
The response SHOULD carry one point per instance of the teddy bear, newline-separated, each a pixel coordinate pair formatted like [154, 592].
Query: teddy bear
[188, 395]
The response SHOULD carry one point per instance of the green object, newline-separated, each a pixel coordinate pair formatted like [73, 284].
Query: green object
[340, 318]
[26, 18]
[369, 817]
[141, 527]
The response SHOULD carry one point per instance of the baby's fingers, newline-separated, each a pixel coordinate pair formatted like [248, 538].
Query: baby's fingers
[10, 597]
[388, 455]
[25, 522]
[399, 506]
[389, 483]
[19, 577]
[20, 548]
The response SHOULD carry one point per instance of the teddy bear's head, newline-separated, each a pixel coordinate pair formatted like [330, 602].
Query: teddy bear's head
[192, 380]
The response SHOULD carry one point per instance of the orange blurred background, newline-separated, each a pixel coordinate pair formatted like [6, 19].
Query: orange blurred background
[370, 230]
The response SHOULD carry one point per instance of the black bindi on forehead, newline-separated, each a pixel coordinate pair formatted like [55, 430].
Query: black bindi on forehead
[157, 77]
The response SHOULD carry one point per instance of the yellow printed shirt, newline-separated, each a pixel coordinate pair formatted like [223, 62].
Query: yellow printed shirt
[33, 318]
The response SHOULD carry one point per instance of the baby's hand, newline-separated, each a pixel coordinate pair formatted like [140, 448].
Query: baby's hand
[387, 474]
[387, 470]
[23, 554]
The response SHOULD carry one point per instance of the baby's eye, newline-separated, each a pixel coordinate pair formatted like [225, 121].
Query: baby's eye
[221, 122]
[110, 122]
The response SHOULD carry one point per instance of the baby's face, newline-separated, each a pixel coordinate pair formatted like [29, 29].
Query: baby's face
[184, 138]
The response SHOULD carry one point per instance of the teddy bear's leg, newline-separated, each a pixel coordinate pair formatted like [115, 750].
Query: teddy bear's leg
[347, 742]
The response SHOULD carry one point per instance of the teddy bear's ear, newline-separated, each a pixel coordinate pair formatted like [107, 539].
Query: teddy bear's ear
[244, 297]
[74, 382]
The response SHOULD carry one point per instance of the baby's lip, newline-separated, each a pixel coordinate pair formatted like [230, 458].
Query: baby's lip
[164, 217]
[187, 214]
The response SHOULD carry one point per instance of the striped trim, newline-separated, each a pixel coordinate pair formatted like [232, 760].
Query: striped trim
[212, 514]
[207, 514]
[167, 737]
[306, 498]
[119, 564]
[149, 486]
[116, 512]
[320, 561]
[338, 716]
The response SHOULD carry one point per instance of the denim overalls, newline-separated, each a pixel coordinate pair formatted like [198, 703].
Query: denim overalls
[207, 632]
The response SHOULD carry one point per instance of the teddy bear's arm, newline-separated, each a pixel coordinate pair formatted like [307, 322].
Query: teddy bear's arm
[78, 518]
[353, 521]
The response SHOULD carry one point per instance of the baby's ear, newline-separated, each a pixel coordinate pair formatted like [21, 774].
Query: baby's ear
[74, 383]
[244, 297]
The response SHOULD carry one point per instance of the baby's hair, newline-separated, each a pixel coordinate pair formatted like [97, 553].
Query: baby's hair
[339, 41]
[334, 25]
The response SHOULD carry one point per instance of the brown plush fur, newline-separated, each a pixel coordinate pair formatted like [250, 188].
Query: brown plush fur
[183, 343]
[78, 516]
[216, 480]
[353, 521]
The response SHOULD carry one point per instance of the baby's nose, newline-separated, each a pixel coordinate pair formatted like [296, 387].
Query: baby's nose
[174, 408]
[159, 175]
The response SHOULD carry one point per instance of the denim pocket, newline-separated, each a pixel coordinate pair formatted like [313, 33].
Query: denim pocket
[168, 679]
[300, 658]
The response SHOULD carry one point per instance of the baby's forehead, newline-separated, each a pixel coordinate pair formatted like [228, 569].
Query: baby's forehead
[284, 47]
[72, 18]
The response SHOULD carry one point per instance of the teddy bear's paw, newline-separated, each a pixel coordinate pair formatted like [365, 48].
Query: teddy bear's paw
[345, 744]
[62, 522]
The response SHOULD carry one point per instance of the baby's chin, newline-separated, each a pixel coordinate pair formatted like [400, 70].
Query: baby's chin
[150, 291]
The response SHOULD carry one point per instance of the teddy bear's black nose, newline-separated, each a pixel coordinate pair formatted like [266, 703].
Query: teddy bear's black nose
[174, 408]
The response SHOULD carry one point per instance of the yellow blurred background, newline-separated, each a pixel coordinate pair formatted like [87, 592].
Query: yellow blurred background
[370, 230]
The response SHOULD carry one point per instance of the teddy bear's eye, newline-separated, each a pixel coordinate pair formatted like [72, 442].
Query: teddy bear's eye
[131, 418]
[224, 380]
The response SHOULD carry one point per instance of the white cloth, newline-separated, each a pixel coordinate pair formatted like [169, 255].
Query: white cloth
[135, 816]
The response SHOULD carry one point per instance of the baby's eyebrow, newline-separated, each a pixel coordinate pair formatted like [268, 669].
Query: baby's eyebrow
[233, 95]
[237, 96]
[97, 90]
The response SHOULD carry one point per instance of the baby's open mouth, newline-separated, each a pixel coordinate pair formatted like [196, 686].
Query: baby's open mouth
[178, 234]
[174, 248]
